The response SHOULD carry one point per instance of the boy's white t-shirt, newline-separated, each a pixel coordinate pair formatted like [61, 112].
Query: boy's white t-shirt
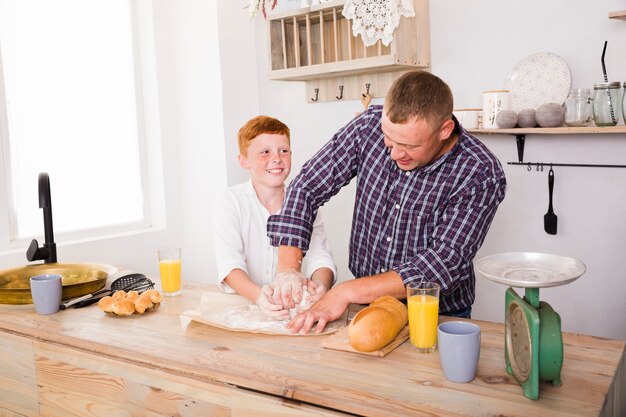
[240, 224]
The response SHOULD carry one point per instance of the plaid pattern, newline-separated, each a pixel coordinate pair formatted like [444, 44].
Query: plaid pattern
[425, 224]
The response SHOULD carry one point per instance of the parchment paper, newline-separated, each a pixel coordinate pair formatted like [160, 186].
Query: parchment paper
[234, 312]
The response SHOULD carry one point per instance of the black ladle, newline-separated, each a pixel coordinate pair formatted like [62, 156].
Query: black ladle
[126, 282]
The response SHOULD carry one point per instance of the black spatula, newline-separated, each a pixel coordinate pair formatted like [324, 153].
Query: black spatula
[550, 219]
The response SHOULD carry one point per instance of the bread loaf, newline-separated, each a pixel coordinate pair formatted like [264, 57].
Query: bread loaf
[377, 325]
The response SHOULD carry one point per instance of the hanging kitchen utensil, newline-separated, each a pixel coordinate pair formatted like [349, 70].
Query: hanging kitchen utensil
[550, 219]
[128, 282]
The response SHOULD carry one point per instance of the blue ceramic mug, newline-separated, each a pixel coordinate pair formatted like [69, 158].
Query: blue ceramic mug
[46, 291]
[459, 349]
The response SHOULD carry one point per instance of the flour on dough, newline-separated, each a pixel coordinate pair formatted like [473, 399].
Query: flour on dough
[249, 317]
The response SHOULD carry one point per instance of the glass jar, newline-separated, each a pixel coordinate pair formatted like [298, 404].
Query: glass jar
[624, 104]
[607, 103]
[578, 107]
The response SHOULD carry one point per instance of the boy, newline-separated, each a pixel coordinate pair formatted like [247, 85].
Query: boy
[246, 261]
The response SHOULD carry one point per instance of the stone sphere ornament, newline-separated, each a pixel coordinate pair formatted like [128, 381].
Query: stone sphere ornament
[506, 119]
[526, 118]
[550, 115]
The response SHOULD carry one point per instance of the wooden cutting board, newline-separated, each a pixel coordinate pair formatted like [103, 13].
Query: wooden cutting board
[340, 341]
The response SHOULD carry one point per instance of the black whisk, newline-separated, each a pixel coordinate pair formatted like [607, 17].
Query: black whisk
[129, 282]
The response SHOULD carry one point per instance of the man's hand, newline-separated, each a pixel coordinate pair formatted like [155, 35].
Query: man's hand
[287, 288]
[267, 306]
[316, 291]
[329, 308]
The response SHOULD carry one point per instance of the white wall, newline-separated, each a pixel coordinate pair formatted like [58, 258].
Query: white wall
[197, 110]
[474, 46]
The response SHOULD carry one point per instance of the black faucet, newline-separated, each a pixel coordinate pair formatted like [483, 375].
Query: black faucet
[48, 252]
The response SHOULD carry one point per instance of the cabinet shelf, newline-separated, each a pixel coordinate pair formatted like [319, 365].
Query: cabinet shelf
[621, 15]
[317, 45]
[361, 66]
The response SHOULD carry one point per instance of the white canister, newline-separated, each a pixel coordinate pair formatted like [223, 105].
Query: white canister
[493, 102]
[468, 118]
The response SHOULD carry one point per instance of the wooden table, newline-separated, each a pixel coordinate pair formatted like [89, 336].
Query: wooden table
[85, 363]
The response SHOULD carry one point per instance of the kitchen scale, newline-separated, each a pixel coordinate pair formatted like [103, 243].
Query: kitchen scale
[533, 344]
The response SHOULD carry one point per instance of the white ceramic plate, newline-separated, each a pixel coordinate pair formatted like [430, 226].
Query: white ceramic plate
[537, 79]
[528, 269]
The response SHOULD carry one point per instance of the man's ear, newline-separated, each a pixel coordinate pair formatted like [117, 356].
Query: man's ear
[243, 161]
[446, 129]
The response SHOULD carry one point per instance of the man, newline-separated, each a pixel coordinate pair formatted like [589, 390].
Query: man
[426, 194]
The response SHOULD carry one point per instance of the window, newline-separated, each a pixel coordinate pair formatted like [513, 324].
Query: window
[71, 105]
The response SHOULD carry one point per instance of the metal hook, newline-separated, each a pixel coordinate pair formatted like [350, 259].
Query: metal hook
[542, 167]
[340, 93]
[367, 92]
[317, 90]
[529, 168]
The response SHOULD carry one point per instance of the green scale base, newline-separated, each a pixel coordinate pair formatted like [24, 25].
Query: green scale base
[533, 346]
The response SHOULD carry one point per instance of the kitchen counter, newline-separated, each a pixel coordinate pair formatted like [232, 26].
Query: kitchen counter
[82, 362]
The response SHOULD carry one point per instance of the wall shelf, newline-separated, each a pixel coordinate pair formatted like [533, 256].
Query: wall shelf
[316, 45]
[587, 130]
[621, 15]
[520, 138]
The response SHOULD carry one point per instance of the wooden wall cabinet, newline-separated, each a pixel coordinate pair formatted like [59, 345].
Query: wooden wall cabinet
[316, 45]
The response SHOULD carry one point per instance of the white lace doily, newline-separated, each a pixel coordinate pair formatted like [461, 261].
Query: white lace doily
[376, 19]
[309, 3]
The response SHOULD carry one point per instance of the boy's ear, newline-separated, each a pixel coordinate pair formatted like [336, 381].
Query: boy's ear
[243, 161]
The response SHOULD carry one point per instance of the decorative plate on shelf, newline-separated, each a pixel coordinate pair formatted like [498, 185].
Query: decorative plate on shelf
[537, 79]
[529, 269]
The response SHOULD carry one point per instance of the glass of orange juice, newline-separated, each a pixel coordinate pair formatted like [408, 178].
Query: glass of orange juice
[423, 302]
[169, 267]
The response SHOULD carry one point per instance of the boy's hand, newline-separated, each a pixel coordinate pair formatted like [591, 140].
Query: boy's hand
[287, 288]
[316, 291]
[268, 308]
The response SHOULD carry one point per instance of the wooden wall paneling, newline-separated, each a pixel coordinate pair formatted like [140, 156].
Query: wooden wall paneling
[309, 57]
[353, 87]
[414, 49]
[277, 45]
[284, 43]
[296, 42]
[322, 38]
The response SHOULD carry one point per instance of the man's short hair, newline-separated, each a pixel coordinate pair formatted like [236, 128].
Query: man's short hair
[419, 95]
[258, 126]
